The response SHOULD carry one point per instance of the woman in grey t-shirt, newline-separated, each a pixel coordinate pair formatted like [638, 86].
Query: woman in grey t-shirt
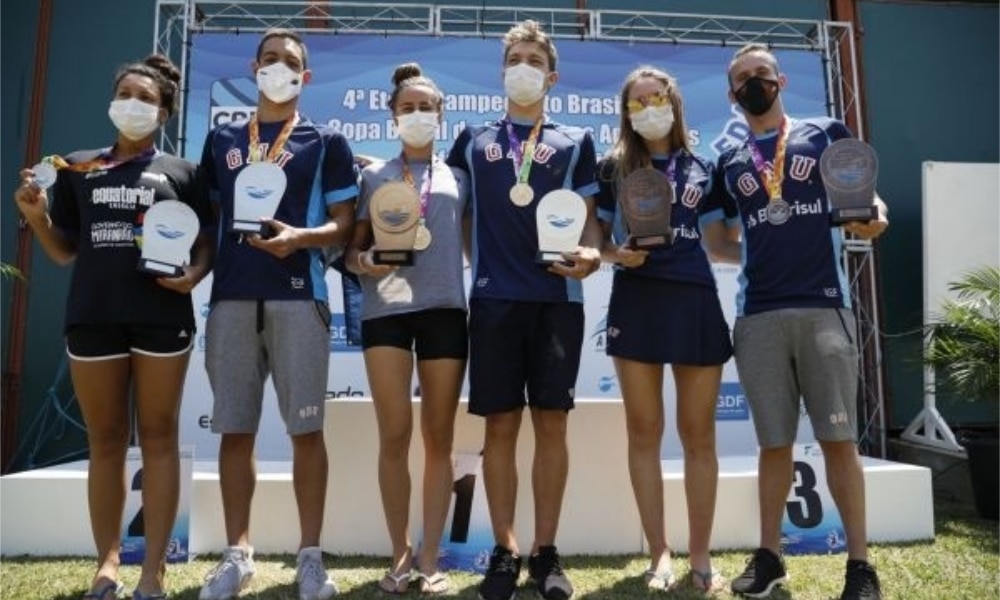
[414, 306]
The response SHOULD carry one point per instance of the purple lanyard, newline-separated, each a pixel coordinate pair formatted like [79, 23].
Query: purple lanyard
[772, 183]
[522, 164]
[425, 186]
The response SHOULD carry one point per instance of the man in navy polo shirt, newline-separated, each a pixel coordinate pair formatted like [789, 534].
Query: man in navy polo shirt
[525, 320]
[270, 314]
[794, 333]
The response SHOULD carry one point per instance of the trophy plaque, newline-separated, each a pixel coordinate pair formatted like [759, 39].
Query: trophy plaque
[560, 217]
[646, 199]
[849, 168]
[259, 188]
[395, 217]
[169, 229]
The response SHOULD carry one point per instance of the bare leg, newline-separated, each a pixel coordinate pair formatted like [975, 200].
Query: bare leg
[697, 395]
[390, 371]
[774, 480]
[101, 388]
[549, 471]
[238, 479]
[159, 382]
[642, 394]
[500, 474]
[846, 479]
[309, 474]
[441, 385]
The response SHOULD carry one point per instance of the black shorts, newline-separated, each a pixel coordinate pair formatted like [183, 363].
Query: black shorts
[518, 347]
[103, 342]
[433, 333]
[666, 322]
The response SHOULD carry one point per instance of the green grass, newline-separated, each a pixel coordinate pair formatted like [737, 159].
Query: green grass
[961, 563]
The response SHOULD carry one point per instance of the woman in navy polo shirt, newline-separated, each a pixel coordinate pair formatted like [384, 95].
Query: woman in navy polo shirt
[664, 309]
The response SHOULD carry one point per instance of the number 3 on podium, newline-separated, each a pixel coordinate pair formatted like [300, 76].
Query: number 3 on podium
[805, 511]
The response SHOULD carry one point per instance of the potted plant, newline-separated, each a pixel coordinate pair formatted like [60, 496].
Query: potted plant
[963, 348]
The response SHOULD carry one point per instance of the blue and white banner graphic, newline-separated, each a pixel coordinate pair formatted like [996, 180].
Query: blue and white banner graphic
[349, 90]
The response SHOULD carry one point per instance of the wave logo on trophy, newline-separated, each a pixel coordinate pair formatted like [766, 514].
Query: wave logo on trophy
[559, 218]
[849, 169]
[170, 228]
[646, 200]
[395, 214]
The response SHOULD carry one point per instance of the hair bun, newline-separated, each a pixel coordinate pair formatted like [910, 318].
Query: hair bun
[166, 68]
[404, 72]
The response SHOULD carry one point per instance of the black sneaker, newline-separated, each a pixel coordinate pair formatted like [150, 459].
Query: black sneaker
[500, 582]
[765, 569]
[545, 570]
[861, 582]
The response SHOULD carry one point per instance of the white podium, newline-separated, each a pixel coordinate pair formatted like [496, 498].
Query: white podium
[44, 512]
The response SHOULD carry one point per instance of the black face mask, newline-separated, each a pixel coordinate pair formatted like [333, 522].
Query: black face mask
[757, 95]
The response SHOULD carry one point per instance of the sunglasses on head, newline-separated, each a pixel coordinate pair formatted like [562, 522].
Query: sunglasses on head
[657, 99]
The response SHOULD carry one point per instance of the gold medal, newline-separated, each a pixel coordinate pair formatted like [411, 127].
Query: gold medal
[522, 194]
[423, 239]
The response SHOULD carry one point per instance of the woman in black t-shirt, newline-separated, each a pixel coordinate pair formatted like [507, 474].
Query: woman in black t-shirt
[125, 329]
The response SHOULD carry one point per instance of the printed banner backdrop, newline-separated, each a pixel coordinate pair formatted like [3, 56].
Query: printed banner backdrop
[811, 523]
[349, 90]
[133, 550]
[467, 540]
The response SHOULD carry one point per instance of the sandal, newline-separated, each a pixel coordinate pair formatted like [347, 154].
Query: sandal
[113, 587]
[433, 584]
[707, 582]
[137, 595]
[660, 581]
[393, 583]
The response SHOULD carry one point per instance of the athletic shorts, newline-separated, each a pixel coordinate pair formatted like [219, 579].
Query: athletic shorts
[782, 355]
[666, 322]
[108, 341]
[523, 353]
[247, 341]
[433, 333]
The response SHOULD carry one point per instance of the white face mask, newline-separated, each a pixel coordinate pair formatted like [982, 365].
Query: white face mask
[653, 122]
[417, 128]
[278, 82]
[134, 118]
[524, 84]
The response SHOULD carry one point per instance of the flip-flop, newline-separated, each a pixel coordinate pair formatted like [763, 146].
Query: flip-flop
[113, 587]
[433, 584]
[660, 581]
[392, 583]
[706, 581]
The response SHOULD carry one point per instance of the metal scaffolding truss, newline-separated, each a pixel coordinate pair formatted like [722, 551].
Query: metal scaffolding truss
[178, 20]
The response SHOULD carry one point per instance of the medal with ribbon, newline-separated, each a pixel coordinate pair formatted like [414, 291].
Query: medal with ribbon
[423, 239]
[778, 210]
[521, 193]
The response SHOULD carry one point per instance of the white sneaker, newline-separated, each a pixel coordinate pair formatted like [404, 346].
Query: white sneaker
[230, 576]
[314, 583]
